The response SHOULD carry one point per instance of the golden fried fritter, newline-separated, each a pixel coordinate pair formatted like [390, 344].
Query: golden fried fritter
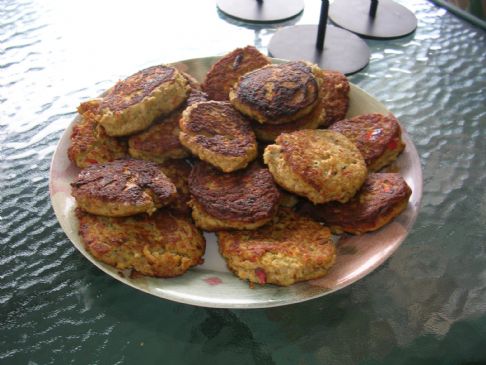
[122, 188]
[227, 70]
[277, 94]
[244, 199]
[382, 197]
[134, 103]
[178, 172]
[215, 132]
[89, 142]
[335, 96]
[161, 245]
[320, 165]
[377, 136]
[290, 249]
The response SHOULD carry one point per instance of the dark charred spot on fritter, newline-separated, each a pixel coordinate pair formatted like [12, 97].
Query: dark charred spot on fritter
[279, 90]
[124, 181]
[136, 87]
[245, 195]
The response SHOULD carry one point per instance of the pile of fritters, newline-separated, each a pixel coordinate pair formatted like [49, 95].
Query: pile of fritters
[260, 153]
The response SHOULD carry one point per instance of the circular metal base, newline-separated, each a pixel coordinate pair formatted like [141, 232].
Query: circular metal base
[392, 20]
[265, 11]
[343, 51]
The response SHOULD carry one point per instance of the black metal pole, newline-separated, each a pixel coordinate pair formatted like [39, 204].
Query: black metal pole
[373, 7]
[321, 29]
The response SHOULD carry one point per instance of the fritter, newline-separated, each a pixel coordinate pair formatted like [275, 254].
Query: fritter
[178, 172]
[227, 70]
[382, 197]
[277, 94]
[291, 249]
[244, 199]
[89, 142]
[335, 96]
[269, 132]
[215, 132]
[160, 142]
[320, 165]
[134, 103]
[122, 188]
[161, 245]
[377, 136]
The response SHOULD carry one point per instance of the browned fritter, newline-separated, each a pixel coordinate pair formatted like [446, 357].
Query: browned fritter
[227, 70]
[321, 165]
[160, 142]
[160, 245]
[89, 142]
[215, 132]
[178, 172]
[382, 197]
[377, 136]
[269, 132]
[122, 188]
[277, 94]
[335, 95]
[135, 102]
[244, 199]
[292, 248]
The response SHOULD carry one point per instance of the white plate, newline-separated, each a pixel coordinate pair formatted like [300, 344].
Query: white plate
[211, 284]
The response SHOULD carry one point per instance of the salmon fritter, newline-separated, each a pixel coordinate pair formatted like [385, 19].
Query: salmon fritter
[122, 188]
[292, 248]
[215, 132]
[89, 142]
[277, 94]
[244, 199]
[227, 70]
[382, 197]
[160, 142]
[178, 172]
[335, 96]
[134, 103]
[161, 245]
[377, 136]
[319, 165]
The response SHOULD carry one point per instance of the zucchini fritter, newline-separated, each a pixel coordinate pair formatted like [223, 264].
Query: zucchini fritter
[277, 94]
[382, 197]
[335, 96]
[377, 136]
[134, 103]
[215, 132]
[226, 71]
[292, 248]
[122, 188]
[244, 199]
[161, 245]
[320, 165]
[89, 142]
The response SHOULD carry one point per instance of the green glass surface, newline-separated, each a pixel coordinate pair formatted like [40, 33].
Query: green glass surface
[425, 305]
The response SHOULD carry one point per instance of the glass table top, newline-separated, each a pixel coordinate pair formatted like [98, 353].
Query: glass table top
[426, 304]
